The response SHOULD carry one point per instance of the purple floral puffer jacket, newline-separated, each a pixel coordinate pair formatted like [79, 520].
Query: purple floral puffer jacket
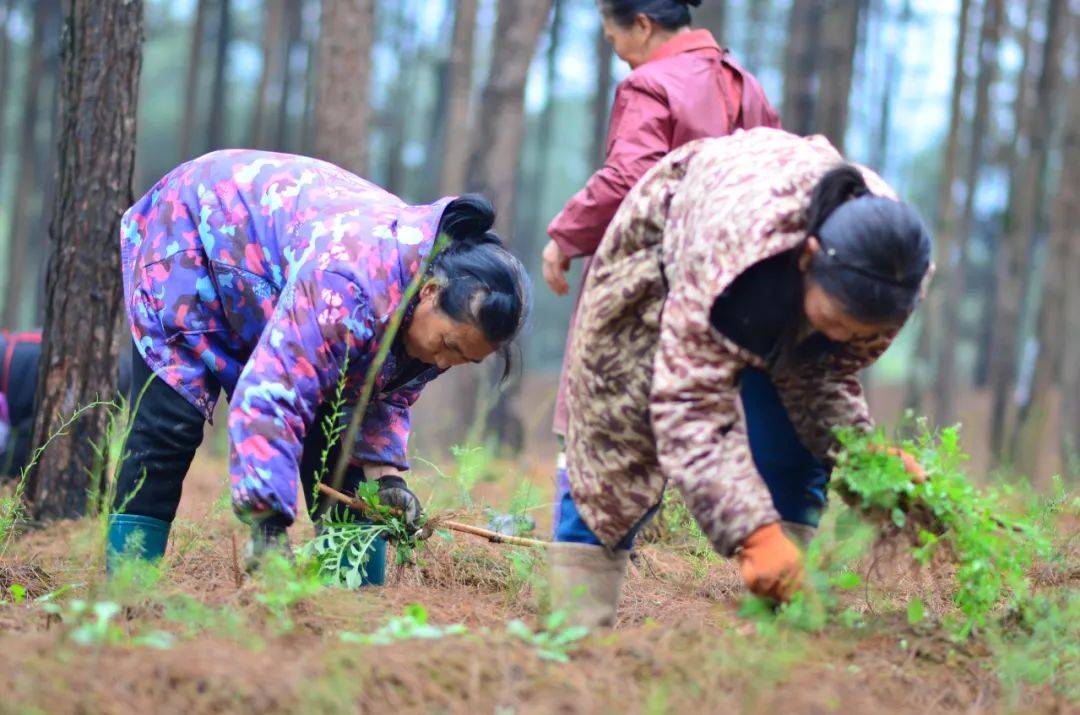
[272, 276]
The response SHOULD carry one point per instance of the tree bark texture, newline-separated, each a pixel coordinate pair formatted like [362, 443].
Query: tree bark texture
[219, 95]
[192, 92]
[497, 134]
[712, 15]
[1024, 219]
[273, 56]
[1058, 287]
[930, 333]
[601, 109]
[840, 30]
[989, 42]
[342, 116]
[800, 65]
[101, 60]
[1065, 222]
[5, 71]
[21, 233]
[455, 154]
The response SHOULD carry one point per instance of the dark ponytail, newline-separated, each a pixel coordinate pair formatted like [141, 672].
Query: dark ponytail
[482, 283]
[874, 253]
[669, 14]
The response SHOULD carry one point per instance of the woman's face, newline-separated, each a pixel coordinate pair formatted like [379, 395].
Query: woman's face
[634, 43]
[433, 337]
[825, 313]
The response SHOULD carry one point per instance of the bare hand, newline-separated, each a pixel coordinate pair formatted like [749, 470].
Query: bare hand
[556, 264]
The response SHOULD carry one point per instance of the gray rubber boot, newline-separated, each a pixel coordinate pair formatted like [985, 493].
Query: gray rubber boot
[586, 581]
[801, 534]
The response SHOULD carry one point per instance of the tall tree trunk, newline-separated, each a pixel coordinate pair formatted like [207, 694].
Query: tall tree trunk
[292, 36]
[496, 141]
[1023, 220]
[1062, 269]
[955, 278]
[46, 18]
[800, 63]
[102, 57]
[192, 87]
[219, 105]
[758, 15]
[712, 16]
[271, 68]
[396, 113]
[840, 33]
[5, 73]
[1066, 219]
[601, 109]
[532, 221]
[344, 76]
[930, 333]
[455, 147]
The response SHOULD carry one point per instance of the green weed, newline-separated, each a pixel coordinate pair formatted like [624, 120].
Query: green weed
[555, 641]
[411, 625]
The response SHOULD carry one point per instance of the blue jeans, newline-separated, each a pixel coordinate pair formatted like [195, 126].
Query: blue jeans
[796, 479]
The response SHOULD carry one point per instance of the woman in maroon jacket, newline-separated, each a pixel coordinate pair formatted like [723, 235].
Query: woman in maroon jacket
[683, 87]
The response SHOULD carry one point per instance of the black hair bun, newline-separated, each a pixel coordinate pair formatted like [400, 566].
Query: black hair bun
[468, 218]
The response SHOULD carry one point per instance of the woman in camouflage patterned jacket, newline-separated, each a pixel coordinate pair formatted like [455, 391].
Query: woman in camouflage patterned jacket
[273, 277]
[740, 288]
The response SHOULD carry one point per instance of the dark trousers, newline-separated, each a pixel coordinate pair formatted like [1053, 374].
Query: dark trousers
[166, 430]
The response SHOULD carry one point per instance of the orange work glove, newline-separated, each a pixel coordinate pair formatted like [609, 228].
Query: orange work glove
[918, 474]
[771, 564]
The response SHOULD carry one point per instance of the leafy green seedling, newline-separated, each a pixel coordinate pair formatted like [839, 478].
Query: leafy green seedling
[412, 625]
[555, 641]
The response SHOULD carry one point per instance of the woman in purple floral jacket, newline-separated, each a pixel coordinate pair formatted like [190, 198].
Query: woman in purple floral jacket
[274, 277]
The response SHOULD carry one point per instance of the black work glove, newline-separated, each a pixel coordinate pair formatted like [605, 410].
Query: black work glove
[267, 535]
[395, 493]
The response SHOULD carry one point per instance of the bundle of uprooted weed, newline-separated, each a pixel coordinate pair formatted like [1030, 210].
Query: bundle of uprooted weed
[992, 543]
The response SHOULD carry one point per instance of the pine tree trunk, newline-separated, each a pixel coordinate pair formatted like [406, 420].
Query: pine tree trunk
[455, 146]
[497, 138]
[219, 105]
[930, 334]
[1023, 220]
[800, 63]
[1062, 269]
[758, 15]
[191, 84]
[344, 76]
[271, 68]
[20, 232]
[840, 33]
[5, 73]
[712, 16]
[1066, 219]
[102, 57]
[292, 35]
[532, 221]
[601, 109]
[955, 278]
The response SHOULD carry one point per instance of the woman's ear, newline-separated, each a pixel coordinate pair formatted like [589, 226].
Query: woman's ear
[644, 26]
[429, 292]
[807, 253]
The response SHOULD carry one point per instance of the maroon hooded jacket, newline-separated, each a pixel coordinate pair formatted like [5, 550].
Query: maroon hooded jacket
[688, 89]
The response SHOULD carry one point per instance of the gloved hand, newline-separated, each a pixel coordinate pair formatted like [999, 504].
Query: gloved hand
[918, 474]
[395, 493]
[771, 564]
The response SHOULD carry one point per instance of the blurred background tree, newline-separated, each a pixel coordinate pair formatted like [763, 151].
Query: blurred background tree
[963, 105]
